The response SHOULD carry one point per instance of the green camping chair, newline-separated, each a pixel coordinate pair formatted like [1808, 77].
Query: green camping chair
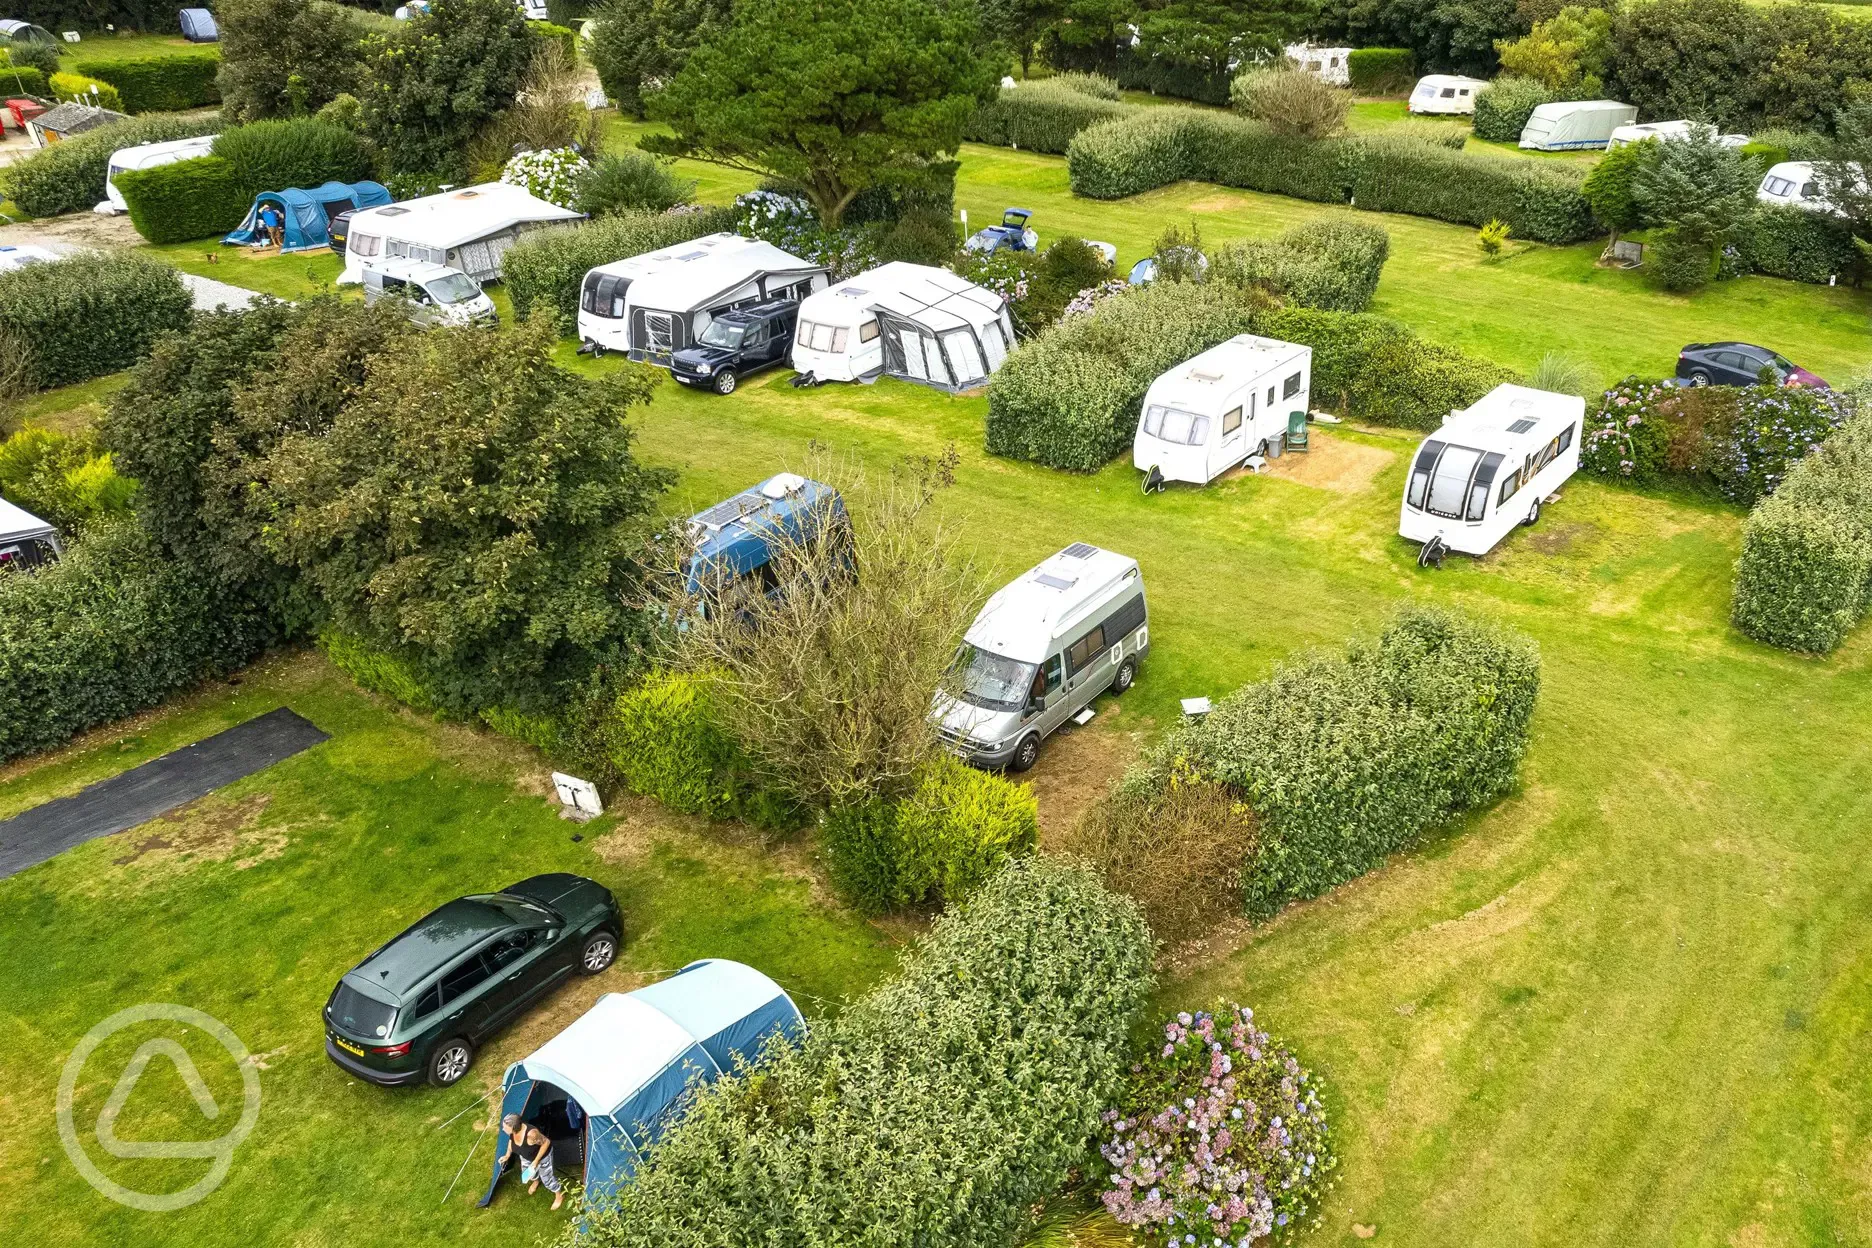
[1296, 431]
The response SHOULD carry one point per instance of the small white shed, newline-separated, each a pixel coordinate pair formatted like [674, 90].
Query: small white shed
[1209, 413]
[1574, 125]
[1326, 64]
[910, 321]
[468, 229]
[1445, 95]
[26, 541]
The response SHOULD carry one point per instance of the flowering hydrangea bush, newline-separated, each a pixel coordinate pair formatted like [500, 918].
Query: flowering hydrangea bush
[1744, 439]
[1224, 1141]
[789, 223]
[1092, 296]
[553, 175]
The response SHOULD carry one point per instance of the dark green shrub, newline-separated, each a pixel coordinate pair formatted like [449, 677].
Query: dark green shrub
[1347, 758]
[91, 313]
[1805, 577]
[937, 1110]
[1041, 116]
[1374, 369]
[930, 240]
[160, 84]
[1679, 261]
[69, 176]
[1131, 153]
[544, 269]
[1069, 397]
[112, 628]
[43, 57]
[1332, 264]
[186, 199]
[665, 742]
[23, 79]
[1381, 71]
[1538, 200]
[955, 830]
[631, 182]
[1802, 246]
[286, 58]
[1099, 86]
[1503, 107]
[296, 151]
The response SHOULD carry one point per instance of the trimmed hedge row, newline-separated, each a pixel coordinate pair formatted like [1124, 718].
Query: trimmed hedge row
[1794, 243]
[1069, 398]
[1347, 758]
[1153, 147]
[186, 199]
[1503, 107]
[1332, 263]
[1805, 577]
[1040, 116]
[938, 1110]
[70, 86]
[24, 79]
[160, 84]
[110, 629]
[955, 830]
[1374, 369]
[1381, 71]
[91, 313]
[544, 269]
[69, 176]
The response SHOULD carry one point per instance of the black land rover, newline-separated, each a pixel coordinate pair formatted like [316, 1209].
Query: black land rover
[737, 343]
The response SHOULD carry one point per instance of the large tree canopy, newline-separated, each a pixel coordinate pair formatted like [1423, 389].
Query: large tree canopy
[439, 78]
[831, 96]
[285, 58]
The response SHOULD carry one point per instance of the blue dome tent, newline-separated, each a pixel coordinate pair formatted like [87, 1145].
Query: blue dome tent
[309, 213]
[609, 1086]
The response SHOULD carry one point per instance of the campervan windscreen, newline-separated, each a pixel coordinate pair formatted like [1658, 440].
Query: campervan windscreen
[723, 334]
[992, 681]
[1173, 424]
[452, 288]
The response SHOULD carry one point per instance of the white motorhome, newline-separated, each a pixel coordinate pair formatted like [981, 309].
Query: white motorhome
[910, 321]
[1638, 132]
[146, 156]
[1445, 95]
[1208, 414]
[1329, 65]
[1042, 649]
[468, 229]
[26, 541]
[669, 310]
[1575, 125]
[601, 323]
[437, 294]
[1489, 468]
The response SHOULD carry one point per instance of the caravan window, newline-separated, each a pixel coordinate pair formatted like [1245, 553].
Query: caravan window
[604, 295]
[1232, 421]
[1420, 473]
[1270, 399]
[1509, 485]
[364, 244]
[1566, 436]
[1290, 387]
[838, 340]
[1449, 93]
[1175, 425]
[1484, 480]
[1779, 186]
[1449, 483]
[868, 331]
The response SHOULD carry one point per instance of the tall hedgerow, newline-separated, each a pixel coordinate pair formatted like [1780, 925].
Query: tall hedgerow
[91, 313]
[546, 268]
[69, 176]
[1043, 116]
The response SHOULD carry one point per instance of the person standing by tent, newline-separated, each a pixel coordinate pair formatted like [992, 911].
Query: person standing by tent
[530, 1144]
[274, 223]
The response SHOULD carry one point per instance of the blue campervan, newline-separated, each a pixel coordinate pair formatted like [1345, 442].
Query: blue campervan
[736, 539]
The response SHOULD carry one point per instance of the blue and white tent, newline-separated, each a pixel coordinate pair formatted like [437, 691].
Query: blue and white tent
[610, 1086]
[308, 212]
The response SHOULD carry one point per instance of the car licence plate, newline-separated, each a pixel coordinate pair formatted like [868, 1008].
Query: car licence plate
[347, 1046]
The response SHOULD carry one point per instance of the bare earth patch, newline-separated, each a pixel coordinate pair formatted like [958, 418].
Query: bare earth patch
[1336, 464]
[1077, 765]
[210, 829]
[75, 229]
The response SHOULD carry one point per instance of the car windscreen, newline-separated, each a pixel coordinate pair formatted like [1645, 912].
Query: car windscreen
[352, 1011]
[1173, 424]
[721, 334]
[992, 681]
[452, 288]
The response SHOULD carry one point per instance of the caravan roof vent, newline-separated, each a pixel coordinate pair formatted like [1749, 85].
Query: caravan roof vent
[1054, 582]
[1521, 426]
[1203, 374]
[853, 292]
[783, 484]
[466, 194]
[394, 210]
[1080, 550]
[692, 255]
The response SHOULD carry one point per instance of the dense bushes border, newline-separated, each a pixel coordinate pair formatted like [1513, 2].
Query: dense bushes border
[91, 313]
[69, 176]
[1039, 116]
[544, 269]
[159, 84]
[1381, 71]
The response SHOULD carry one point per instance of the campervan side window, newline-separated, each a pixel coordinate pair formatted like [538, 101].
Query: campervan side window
[1420, 473]
[1232, 421]
[1270, 401]
[1290, 387]
[364, 244]
[1086, 649]
[868, 331]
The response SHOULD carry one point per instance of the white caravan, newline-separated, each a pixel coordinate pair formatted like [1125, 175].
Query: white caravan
[601, 323]
[669, 310]
[1792, 183]
[1488, 469]
[904, 320]
[26, 541]
[1638, 132]
[1575, 125]
[1210, 413]
[1329, 65]
[1445, 95]
[146, 156]
[1042, 649]
[468, 229]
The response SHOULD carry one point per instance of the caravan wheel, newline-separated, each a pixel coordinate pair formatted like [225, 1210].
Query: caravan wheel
[450, 1062]
[1533, 513]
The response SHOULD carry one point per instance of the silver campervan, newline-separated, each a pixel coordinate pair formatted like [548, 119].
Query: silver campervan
[1042, 649]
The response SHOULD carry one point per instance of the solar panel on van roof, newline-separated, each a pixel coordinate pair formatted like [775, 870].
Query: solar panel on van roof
[1080, 550]
[725, 513]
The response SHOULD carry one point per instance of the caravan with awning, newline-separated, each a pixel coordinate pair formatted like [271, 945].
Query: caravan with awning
[670, 310]
[909, 321]
[468, 229]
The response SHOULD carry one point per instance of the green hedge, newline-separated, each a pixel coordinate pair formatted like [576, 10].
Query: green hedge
[160, 84]
[1154, 147]
[544, 269]
[70, 86]
[69, 176]
[1332, 263]
[1040, 116]
[23, 80]
[939, 1110]
[210, 195]
[1805, 577]
[91, 313]
[665, 742]
[1347, 758]
[955, 830]
[1503, 107]
[1374, 369]
[112, 628]
[1069, 397]
[1794, 243]
[1381, 71]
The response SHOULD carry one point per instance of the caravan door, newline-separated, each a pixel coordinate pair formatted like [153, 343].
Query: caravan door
[1233, 446]
[966, 358]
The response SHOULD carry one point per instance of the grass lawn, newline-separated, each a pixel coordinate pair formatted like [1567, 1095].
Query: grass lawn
[252, 902]
[297, 276]
[1514, 310]
[105, 46]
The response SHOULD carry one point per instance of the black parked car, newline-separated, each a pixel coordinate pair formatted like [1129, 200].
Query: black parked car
[420, 1006]
[736, 344]
[1739, 364]
[338, 229]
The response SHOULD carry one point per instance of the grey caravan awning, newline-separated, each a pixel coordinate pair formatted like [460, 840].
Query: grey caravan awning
[933, 345]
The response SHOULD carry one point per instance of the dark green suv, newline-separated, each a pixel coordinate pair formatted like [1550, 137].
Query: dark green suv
[420, 1006]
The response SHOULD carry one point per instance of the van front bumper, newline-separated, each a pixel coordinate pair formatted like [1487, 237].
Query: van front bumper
[975, 754]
